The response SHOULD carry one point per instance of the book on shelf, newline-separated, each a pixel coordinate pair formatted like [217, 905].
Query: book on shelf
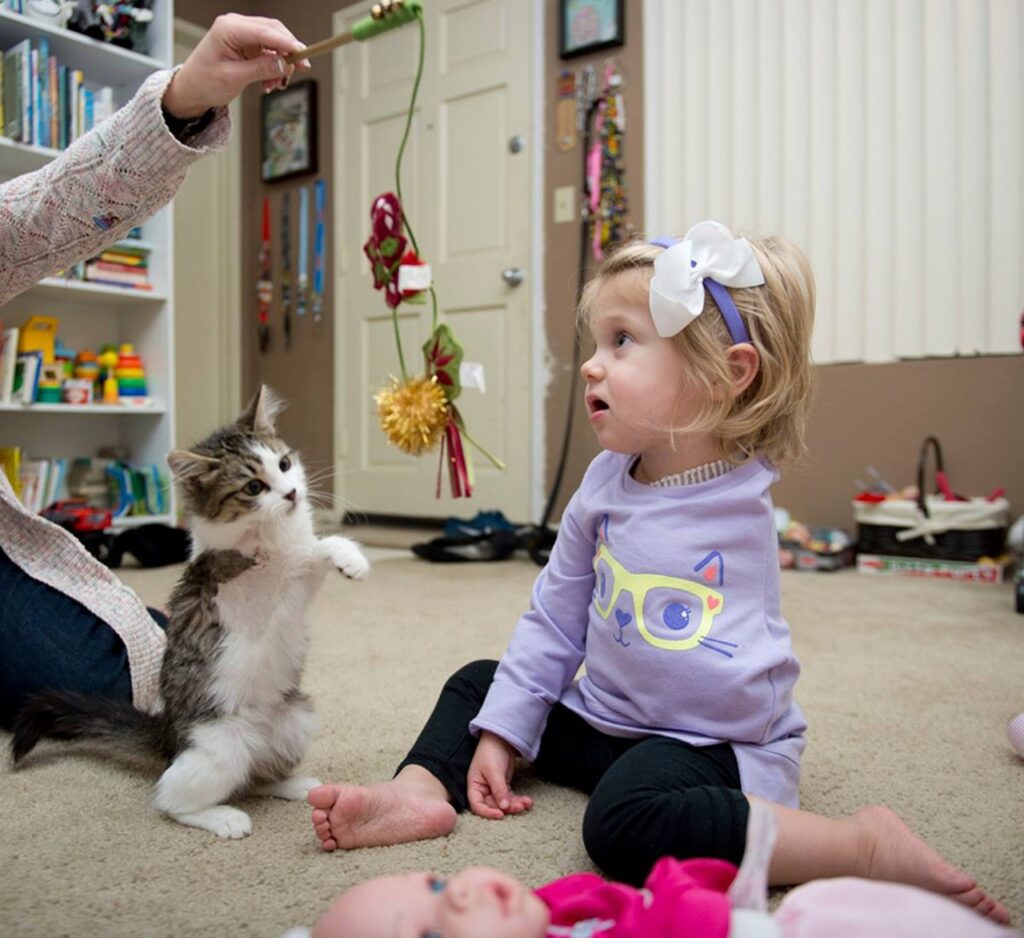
[10, 464]
[8, 362]
[45, 103]
[26, 377]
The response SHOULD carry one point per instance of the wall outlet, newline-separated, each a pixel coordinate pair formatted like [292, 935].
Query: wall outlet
[565, 204]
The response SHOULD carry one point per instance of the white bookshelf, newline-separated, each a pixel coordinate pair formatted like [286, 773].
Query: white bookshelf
[92, 314]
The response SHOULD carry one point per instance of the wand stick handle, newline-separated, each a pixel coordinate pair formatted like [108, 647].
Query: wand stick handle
[318, 48]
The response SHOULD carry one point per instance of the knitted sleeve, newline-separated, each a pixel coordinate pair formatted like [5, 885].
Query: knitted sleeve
[108, 181]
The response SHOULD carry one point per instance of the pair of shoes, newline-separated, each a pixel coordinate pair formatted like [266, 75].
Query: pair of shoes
[484, 523]
[493, 545]
[537, 542]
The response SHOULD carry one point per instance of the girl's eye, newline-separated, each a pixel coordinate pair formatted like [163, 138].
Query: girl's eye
[253, 487]
[622, 338]
[436, 884]
[431, 934]
[285, 464]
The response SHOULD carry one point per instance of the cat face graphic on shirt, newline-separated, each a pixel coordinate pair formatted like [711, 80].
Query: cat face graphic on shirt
[669, 612]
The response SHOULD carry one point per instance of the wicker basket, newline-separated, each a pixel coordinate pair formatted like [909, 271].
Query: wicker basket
[933, 526]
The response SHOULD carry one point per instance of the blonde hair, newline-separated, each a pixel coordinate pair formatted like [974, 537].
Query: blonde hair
[770, 415]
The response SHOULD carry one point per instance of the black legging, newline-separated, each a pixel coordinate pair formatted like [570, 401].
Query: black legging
[649, 797]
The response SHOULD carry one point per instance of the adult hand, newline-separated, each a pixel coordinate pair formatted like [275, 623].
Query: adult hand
[488, 780]
[236, 51]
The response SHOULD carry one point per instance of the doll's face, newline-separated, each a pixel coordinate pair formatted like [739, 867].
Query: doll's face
[473, 902]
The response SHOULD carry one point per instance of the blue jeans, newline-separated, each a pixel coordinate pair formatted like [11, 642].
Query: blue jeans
[50, 641]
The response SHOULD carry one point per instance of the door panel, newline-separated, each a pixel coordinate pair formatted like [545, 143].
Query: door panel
[467, 196]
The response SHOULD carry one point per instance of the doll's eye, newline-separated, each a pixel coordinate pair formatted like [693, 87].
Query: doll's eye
[285, 464]
[431, 934]
[253, 487]
[436, 884]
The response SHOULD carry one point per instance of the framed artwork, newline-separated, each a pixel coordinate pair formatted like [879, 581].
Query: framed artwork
[586, 26]
[288, 132]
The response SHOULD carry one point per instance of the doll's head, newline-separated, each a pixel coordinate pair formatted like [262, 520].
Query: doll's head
[473, 902]
[743, 350]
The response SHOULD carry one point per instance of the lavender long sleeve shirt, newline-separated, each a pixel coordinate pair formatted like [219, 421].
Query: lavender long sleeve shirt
[669, 598]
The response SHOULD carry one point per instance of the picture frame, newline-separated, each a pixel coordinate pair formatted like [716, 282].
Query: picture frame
[586, 26]
[288, 132]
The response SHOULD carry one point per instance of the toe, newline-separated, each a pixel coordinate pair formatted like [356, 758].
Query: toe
[323, 796]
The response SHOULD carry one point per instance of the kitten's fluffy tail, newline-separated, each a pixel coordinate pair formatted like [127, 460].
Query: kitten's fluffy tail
[69, 715]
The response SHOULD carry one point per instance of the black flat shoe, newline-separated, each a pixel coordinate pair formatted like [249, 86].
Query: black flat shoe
[494, 545]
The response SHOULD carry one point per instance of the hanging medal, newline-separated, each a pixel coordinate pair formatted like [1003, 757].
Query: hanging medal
[319, 200]
[264, 283]
[302, 292]
[286, 267]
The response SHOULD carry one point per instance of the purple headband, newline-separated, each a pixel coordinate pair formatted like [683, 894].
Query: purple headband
[721, 296]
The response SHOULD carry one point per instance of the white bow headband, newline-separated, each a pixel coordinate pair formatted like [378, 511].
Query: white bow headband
[707, 257]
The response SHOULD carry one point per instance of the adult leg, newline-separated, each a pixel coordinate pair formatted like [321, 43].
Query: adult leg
[50, 641]
[429, 786]
[662, 798]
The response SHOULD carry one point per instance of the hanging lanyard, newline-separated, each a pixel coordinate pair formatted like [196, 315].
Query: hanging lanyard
[286, 267]
[264, 283]
[303, 284]
[320, 197]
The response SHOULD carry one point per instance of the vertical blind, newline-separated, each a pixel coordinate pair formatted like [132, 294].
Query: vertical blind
[886, 137]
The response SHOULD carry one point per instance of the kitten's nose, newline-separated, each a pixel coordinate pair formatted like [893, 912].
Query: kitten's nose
[292, 495]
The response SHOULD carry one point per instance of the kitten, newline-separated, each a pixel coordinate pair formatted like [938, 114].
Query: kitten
[233, 718]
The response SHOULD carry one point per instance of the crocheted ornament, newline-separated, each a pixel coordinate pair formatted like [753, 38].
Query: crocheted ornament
[413, 414]
[386, 246]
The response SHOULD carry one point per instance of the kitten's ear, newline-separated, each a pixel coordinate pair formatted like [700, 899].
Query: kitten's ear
[263, 409]
[185, 465]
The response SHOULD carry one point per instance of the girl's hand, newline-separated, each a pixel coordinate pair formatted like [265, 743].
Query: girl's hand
[236, 51]
[488, 780]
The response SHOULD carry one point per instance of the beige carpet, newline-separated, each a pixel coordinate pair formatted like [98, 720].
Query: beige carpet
[907, 686]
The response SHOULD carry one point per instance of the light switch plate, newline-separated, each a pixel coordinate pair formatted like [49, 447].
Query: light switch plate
[565, 204]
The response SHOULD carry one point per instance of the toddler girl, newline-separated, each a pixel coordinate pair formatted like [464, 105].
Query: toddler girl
[664, 585]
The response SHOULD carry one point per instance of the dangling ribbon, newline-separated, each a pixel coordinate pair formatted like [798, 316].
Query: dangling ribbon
[320, 201]
[264, 283]
[286, 267]
[303, 285]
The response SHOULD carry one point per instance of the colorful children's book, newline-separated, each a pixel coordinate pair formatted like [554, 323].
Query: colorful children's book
[26, 376]
[10, 463]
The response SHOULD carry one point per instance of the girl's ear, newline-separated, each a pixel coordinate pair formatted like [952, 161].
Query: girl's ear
[744, 363]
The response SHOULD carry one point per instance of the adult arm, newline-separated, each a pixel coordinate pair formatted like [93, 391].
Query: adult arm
[122, 171]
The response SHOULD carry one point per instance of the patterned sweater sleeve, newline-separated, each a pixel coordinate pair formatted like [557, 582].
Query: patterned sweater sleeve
[108, 181]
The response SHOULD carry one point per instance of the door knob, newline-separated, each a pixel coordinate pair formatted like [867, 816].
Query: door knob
[513, 276]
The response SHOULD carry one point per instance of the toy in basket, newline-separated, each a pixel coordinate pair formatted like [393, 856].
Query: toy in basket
[940, 526]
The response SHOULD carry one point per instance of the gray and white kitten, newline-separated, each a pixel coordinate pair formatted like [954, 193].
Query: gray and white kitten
[233, 718]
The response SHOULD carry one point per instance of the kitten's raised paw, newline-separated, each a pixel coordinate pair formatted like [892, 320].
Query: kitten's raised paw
[348, 558]
[222, 820]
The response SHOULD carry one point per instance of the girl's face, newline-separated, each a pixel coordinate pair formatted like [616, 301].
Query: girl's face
[637, 387]
[475, 901]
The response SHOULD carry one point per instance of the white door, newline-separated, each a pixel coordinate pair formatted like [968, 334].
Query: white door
[466, 182]
[207, 332]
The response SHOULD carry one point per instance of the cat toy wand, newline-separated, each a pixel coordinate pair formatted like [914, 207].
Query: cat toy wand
[384, 16]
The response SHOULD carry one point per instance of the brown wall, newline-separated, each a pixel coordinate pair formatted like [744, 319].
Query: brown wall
[562, 241]
[304, 373]
[878, 415]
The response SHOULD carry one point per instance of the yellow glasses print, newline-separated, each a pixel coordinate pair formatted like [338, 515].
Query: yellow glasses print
[676, 615]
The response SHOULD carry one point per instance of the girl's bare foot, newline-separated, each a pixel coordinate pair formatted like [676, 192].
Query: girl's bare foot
[392, 812]
[895, 853]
